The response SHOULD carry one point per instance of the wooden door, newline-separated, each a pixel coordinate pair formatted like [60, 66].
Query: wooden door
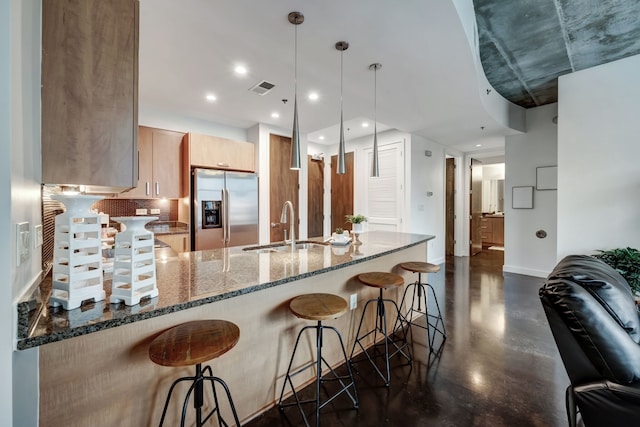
[284, 186]
[341, 193]
[315, 197]
[450, 170]
[475, 201]
[166, 163]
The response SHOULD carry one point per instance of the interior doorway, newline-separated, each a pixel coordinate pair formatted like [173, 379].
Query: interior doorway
[315, 200]
[341, 193]
[450, 211]
[284, 186]
[475, 202]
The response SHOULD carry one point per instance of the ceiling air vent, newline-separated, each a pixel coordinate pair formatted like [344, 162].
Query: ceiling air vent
[262, 88]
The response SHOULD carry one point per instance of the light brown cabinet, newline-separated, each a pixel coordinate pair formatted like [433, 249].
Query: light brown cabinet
[90, 92]
[159, 164]
[492, 231]
[178, 242]
[220, 153]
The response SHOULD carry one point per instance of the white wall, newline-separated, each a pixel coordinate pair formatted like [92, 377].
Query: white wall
[19, 197]
[6, 270]
[524, 252]
[152, 117]
[598, 154]
[428, 212]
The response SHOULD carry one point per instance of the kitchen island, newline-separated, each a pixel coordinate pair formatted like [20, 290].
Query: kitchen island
[94, 368]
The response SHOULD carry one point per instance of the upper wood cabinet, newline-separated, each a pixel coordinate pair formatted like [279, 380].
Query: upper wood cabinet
[159, 164]
[220, 153]
[90, 92]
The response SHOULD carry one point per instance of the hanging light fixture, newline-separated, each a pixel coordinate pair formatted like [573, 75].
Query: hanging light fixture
[296, 18]
[374, 167]
[342, 168]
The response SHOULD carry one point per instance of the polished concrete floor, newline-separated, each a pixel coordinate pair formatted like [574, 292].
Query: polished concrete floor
[498, 367]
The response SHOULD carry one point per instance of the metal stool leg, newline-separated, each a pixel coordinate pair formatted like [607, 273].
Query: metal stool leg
[439, 321]
[198, 399]
[319, 378]
[381, 326]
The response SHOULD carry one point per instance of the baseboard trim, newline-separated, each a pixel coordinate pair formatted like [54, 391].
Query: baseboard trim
[525, 271]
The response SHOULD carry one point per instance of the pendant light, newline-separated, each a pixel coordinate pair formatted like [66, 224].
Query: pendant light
[374, 167]
[342, 168]
[296, 18]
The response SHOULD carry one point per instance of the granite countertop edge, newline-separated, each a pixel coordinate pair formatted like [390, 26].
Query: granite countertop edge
[25, 342]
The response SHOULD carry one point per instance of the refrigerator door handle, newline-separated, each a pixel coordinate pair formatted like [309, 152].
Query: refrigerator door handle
[228, 224]
[224, 216]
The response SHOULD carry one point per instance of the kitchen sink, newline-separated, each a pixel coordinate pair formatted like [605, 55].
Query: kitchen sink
[282, 247]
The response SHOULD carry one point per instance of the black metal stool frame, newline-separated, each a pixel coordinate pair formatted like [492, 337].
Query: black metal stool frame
[381, 326]
[319, 378]
[420, 292]
[198, 399]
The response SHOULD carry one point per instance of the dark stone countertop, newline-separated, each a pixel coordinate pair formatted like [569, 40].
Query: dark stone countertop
[191, 279]
[167, 227]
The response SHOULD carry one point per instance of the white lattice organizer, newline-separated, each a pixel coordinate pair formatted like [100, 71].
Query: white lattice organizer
[77, 255]
[134, 267]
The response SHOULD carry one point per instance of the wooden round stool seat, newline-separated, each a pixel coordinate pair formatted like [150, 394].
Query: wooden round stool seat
[420, 267]
[194, 342]
[381, 280]
[318, 306]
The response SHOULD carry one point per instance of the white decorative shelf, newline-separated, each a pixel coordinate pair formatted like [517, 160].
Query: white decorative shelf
[134, 266]
[77, 254]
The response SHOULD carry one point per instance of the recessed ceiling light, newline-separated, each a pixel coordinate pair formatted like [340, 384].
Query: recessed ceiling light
[211, 97]
[275, 115]
[321, 137]
[313, 96]
[478, 145]
[365, 124]
[241, 69]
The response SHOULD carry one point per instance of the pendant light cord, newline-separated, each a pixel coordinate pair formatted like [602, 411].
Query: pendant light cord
[295, 62]
[375, 100]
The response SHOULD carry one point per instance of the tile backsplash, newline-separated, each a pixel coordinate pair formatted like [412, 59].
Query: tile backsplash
[112, 207]
[127, 207]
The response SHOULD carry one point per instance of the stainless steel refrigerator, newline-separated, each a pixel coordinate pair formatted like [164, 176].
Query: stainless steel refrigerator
[224, 209]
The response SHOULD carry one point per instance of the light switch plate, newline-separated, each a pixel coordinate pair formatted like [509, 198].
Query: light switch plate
[22, 242]
[141, 211]
[155, 211]
[38, 237]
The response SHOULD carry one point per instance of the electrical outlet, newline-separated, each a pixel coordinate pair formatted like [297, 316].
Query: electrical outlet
[22, 242]
[353, 302]
[141, 211]
[155, 211]
[39, 237]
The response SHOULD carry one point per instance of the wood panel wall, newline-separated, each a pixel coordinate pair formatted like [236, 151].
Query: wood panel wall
[106, 378]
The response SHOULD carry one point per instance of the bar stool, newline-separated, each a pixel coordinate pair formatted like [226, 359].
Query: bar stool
[381, 281]
[319, 307]
[420, 293]
[194, 343]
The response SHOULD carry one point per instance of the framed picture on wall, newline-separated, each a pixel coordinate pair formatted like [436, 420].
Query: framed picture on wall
[522, 197]
[547, 178]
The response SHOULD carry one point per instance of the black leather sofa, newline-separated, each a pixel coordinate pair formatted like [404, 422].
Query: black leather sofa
[596, 326]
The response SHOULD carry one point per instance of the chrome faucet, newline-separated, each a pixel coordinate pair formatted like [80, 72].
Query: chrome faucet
[283, 220]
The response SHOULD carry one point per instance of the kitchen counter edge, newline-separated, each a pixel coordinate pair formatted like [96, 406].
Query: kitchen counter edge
[28, 311]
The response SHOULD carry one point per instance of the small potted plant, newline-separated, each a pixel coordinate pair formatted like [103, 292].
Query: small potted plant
[357, 222]
[340, 236]
[625, 261]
